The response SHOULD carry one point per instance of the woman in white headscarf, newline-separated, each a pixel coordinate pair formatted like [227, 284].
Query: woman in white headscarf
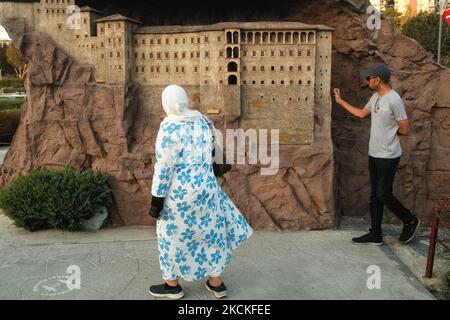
[198, 224]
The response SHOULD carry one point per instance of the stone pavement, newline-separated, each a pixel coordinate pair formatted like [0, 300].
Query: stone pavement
[121, 263]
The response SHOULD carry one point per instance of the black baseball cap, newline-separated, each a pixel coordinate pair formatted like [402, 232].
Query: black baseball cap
[378, 69]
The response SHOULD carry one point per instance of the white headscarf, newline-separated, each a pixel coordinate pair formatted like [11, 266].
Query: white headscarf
[175, 103]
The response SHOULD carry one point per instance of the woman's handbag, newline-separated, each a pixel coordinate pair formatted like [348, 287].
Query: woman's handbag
[219, 168]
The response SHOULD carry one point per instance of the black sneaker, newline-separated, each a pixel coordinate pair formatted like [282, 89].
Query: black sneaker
[409, 230]
[166, 291]
[219, 292]
[369, 238]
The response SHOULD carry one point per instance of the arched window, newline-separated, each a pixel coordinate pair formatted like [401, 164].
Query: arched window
[243, 38]
[280, 37]
[235, 37]
[273, 37]
[295, 37]
[236, 52]
[265, 37]
[287, 37]
[303, 37]
[232, 80]
[229, 36]
[257, 38]
[250, 37]
[311, 37]
[229, 52]
[232, 66]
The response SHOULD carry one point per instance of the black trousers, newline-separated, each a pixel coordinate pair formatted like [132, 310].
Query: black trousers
[382, 173]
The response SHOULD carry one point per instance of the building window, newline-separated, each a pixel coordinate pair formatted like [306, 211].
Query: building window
[167, 69]
[143, 55]
[183, 55]
[184, 40]
[220, 68]
[206, 68]
[151, 41]
[232, 80]
[272, 53]
[272, 68]
[254, 68]
[308, 53]
[167, 55]
[176, 40]
[291, 68]
[245, 53]
[159, 41]
[192, 40]
[157, 69]
[120, 40]
[120, 67]
[219, 38]
[232, 66]
[206, 54]
[281, 68]
[262, 68]
[137, 69]
[167, 41]
[220, 53]
[143, 41]
[198, 40]
[176, 69]
[143, 69]
[103, 56]
[244, 68]
[291, 53]
[151, 55]
[175, 55]
[262, 82]
[308, 68]
[118, 54]
[109, 25]
[111, 54]
[299, 68]
[254, 53]
[158, 55]
[195, 69]
[192, 54]
[281, 53]
[206, 39]
[262, 53]
[198, 54]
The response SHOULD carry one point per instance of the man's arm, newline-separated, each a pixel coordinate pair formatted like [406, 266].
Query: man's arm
[403, 128]
[360, 113]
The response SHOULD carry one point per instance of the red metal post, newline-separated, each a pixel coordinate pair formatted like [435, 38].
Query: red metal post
[432, 246]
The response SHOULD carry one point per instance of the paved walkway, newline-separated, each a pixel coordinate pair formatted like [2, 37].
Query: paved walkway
[121, 263]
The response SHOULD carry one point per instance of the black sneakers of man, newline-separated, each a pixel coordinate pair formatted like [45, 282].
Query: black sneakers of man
[409, 230]
[166, 291]
[369, 238]
[219, 291]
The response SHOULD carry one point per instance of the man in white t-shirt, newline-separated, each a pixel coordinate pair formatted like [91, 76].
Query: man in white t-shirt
[389, 120]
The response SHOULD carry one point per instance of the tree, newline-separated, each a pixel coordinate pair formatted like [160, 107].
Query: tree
[16, 61]
[424, 28]
[394, 16]
[4, 65]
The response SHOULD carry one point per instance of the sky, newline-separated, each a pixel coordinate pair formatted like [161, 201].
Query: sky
[3, 34]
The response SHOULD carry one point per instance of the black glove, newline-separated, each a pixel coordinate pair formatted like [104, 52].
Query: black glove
[156, 207]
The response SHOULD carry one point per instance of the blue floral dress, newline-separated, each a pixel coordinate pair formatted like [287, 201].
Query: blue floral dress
[199, 226]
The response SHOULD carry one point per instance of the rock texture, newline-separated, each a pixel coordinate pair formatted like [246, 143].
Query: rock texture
[70, 119]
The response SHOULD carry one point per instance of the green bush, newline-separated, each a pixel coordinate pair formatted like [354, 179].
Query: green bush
[8, 103]
[9, 121]
[11, 82]
[46, 199]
